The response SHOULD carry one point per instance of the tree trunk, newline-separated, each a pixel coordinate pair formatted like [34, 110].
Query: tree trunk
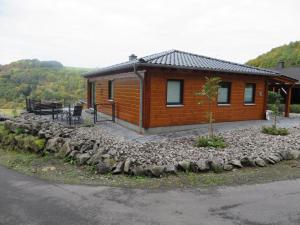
[210, 120]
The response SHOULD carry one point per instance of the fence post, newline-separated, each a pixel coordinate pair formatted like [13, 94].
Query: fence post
[113, 112]
[40, 102]
[95, 114]
[26, 102]
[52, 112]
[30, 106]
[70, 116]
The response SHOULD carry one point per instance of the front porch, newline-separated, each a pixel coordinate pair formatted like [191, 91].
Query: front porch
[282, 85]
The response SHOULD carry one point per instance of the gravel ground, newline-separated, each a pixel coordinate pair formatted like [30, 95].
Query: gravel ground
[243, 140]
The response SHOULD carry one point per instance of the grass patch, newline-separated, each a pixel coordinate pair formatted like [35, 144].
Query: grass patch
[50, 167]
[214, 142]
[275, 130]
[10, 112]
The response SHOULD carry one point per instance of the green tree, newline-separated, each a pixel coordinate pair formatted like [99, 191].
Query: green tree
[47, 80]
[210, 92]
[289, 53]
[275, 100]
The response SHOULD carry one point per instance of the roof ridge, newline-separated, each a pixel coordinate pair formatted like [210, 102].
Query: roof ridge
[225, 61]
[157, 55]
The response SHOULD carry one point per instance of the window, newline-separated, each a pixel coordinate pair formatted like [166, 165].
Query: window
[249, 95]
[224, 93]
[175, 92]
[110, 89]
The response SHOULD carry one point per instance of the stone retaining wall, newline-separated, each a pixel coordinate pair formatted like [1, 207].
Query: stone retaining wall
[41, 135]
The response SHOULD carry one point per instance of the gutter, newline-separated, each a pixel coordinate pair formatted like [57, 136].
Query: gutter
[141, 78]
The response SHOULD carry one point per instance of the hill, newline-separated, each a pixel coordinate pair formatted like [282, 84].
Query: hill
[290, 54]
[48, 80]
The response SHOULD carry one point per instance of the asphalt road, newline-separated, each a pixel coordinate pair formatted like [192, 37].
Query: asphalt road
[26, 200]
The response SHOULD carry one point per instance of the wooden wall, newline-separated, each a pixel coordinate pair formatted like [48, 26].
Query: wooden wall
[126, 98]
[160, 115]
[157, 114]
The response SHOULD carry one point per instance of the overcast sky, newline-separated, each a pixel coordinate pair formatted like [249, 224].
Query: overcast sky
[96, 33]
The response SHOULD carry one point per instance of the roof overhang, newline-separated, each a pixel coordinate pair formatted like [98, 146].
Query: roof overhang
[282, 79]
[129, 68]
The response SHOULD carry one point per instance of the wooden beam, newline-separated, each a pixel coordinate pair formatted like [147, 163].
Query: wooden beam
[266, 97]
[288, 101]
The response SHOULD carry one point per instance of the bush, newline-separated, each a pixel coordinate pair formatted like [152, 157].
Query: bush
[215, 142]
[275, 130]
[281, 107]
[87, 122]
[19, 130]
[295, 108]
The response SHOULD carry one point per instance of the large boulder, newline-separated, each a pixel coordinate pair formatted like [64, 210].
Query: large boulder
[184, 165]
[111, 163]
[170, 169]
[248, 162]
[83, 158]
[228, 167]
[157, 171]
[127, 165]
[73, 154]
[86, 146]
[236, 163]
[202, 165]
[28, 143]
[66, 148]
[275, 158]
[119, 168]
[260, 162]
[217, 164]
[284, 154]
[103, 168]
[269, 160]
[293, 154]
[95, 159]
[140, 171]
[54, 145]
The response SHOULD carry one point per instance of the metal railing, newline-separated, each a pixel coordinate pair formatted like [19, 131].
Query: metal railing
[55, 109]
[106, 117]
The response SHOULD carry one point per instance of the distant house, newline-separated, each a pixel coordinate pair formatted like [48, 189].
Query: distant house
[156, 93]
[292, 72]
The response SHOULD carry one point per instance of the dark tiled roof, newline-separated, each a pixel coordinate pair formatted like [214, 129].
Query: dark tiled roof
[293, 72]
[184, 60]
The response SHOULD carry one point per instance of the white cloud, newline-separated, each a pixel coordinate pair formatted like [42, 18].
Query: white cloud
[95, 33]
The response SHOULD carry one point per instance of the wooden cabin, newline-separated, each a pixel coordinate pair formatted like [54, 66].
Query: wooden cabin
[157, 93]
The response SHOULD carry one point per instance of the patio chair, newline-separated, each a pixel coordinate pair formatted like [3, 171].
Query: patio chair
[76, 114]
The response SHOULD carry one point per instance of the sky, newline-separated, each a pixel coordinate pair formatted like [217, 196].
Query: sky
[97, 33]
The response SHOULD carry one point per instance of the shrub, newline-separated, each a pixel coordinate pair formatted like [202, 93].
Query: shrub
[281, 107]
[87, 122]
[275, 130]
[40, 143]
[19, 130]
[214, 142]
[295, 108]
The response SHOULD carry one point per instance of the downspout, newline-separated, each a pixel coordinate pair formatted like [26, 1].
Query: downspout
[141, 78]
